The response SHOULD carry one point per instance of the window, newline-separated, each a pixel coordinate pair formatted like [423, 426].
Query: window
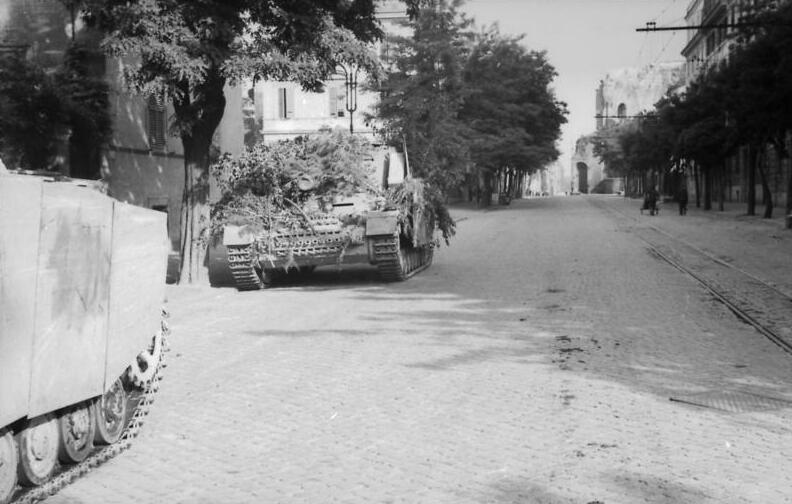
[285, 103]
[157, 124]
[337, 101]
[621, 110]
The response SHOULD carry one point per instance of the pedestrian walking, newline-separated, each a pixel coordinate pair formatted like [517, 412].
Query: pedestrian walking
[682, 199]
[650, 201]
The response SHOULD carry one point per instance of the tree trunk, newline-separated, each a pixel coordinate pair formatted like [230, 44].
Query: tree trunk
[787, 139]
[767, 196]
[707, 174]
[721, 189]
[197, 142]
[789, 191]
[485, 188]
[697, 183]
[753, 154]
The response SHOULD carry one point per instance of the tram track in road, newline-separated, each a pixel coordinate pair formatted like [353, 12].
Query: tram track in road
[757, 302]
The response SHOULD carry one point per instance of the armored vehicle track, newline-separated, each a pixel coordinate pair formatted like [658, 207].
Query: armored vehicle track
[397, 262]
[141, 402]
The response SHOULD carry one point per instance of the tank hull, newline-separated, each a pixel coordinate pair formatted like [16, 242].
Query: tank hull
[82, 281]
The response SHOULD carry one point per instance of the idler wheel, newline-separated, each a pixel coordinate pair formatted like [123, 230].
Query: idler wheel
[8, 466]
[144, 367]
[77, 429]
[38, 450]
[110, 413]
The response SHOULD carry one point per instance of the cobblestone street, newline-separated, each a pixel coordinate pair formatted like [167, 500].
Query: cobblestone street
[533, 362]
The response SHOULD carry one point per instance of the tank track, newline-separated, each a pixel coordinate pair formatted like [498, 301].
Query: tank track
[66, 475]
[396, 263]
[240, 260]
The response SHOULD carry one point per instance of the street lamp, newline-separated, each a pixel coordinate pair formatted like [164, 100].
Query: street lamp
[350, 84]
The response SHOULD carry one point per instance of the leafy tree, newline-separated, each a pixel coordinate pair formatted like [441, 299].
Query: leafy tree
[423, 92]
[188, 50]
[514, 117]
[743, 102]
[759, 75]
[40, 108]
[85, 97]
[32, 114]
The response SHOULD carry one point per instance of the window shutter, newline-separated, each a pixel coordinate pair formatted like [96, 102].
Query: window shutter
[289, 103]
[281, 103]
[157, 124]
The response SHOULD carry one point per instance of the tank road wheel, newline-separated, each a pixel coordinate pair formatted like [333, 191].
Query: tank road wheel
[38, 450]
[8, 466]
[243, 266]
[77, 430]
[110, 412]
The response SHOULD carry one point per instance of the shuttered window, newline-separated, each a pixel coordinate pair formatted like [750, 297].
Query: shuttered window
[157, 124]
[337, 101]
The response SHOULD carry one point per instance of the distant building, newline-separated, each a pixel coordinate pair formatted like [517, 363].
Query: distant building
[621, 95]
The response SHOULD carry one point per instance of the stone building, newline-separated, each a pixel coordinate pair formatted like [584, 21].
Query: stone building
[621, 95]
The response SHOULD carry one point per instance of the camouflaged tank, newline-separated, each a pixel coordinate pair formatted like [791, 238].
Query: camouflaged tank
[357, 229]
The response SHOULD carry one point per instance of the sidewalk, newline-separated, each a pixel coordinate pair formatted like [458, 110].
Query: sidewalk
[761, 247]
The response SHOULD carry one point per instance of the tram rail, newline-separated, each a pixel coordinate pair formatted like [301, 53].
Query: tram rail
[755, 301]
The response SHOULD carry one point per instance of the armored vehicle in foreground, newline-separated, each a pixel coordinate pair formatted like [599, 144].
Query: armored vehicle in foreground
[393, 233]
[82, 280]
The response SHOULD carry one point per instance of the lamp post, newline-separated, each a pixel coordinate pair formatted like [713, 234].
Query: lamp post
[350, 84]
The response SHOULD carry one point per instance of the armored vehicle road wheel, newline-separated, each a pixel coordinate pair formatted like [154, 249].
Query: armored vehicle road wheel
[38, 450]
[8, 466]
[77, 429]
[110, 413]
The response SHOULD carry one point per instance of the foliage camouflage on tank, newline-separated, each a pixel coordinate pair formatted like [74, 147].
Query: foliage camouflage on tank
[329, 199]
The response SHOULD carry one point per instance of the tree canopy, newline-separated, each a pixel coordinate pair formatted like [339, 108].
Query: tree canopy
[511, 108]
[187, 51]
[469, 104]
[424, 90]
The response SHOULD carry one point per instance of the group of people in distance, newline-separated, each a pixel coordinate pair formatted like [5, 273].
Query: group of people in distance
[652, 197]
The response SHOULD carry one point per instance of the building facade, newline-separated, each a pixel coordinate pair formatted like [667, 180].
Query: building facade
[713, 26]
[282, 110]
[706, 47]
[621, 95]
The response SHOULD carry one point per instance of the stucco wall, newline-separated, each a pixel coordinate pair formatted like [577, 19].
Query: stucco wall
[311, 111]
[136, 174]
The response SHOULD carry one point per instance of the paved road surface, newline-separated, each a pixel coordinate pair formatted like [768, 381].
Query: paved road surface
[532, 363]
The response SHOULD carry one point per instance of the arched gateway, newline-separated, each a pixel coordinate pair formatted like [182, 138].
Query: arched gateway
[582, 169]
